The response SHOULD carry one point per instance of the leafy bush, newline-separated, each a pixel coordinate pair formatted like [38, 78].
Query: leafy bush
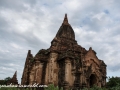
[113, 82]
[52, 87]
[4, 82]
[8, 88]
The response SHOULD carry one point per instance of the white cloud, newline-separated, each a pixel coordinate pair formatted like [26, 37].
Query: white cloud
[15, 46]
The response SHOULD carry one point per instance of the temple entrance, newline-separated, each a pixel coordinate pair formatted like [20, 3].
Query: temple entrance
[92, 80]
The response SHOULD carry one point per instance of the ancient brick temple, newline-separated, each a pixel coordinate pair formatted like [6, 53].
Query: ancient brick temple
[65, 64]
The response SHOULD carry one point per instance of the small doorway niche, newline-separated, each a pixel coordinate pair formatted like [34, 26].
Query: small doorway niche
[93, 80]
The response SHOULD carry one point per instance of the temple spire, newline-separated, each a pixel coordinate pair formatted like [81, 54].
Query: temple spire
[13, 80]
[15, 74]
[65, 21]
[66, 30]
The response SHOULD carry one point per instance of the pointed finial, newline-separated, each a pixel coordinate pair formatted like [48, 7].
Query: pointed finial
[29, 51]
[65, 15]
[65, 21]
[90, 48]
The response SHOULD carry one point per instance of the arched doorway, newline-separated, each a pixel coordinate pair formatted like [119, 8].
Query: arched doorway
[92, 80]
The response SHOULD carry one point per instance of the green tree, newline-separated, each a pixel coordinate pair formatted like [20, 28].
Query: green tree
[113, 82]
[7, 79]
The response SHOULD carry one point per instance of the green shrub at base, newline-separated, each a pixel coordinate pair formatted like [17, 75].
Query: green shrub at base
[52, 87]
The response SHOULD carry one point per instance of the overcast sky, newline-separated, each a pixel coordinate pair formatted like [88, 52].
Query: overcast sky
[32, 24]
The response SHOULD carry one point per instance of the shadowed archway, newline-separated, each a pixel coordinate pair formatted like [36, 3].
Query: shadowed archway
[92, 80]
